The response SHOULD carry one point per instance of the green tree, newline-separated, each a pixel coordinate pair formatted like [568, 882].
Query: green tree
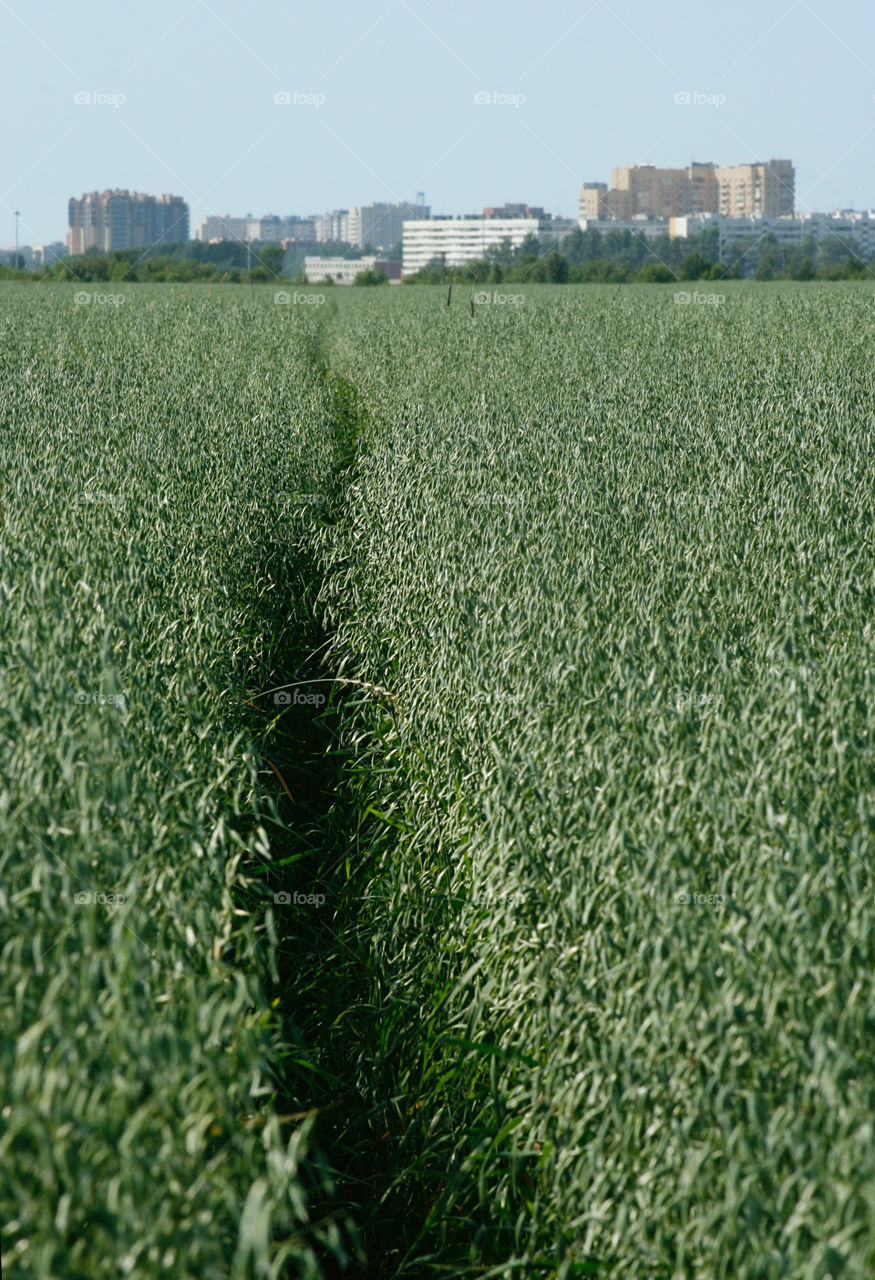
[371, 276]
[694, 266]
[765, 268]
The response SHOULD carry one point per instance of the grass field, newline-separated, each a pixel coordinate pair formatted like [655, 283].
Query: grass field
[461, 720]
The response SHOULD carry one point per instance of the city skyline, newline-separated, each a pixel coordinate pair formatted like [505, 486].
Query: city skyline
[314, 110]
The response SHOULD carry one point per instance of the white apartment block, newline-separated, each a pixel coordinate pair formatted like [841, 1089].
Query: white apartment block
[853, 232]
[454, 241]
[340, 270]
[639, 224]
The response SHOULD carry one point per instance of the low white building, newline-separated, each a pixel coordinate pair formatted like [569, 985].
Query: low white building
[639, 224]
[852, 232]
[340, 270]
[454, 241]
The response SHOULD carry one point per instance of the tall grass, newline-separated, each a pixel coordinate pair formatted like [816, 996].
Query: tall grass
[612, 555]
[152, 455]
[472, 706]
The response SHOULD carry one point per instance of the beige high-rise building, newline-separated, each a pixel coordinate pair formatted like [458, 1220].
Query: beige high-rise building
[739, 191]
[119, 219]
[748, 190]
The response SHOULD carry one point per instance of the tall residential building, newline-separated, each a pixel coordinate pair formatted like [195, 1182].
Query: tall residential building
[119, 219]
[757, 190]
[382, 225]
[452, 241]
[332, 227]
[738, 191]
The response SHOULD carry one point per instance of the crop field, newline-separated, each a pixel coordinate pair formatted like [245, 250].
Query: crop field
[437, 783]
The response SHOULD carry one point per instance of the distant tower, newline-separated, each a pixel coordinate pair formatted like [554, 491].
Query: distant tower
[420, 197]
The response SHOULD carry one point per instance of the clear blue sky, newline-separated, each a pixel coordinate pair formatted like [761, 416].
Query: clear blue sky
[399, 114]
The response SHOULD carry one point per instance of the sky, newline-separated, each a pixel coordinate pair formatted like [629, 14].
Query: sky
[473, 103]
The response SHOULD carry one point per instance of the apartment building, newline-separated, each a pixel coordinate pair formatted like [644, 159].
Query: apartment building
[45, 254]
[267, 230]
[453, 241]
[737, 191]
[640, 225]
[332, 227]
[382, 225]
[850, 232]
[121, 219]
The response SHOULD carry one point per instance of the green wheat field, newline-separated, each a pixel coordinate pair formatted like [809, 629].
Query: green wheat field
[437, 783]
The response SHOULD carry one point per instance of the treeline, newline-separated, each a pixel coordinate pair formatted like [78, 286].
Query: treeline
[612, 257]
[190, 261]
[229, 261]
[625, 257]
